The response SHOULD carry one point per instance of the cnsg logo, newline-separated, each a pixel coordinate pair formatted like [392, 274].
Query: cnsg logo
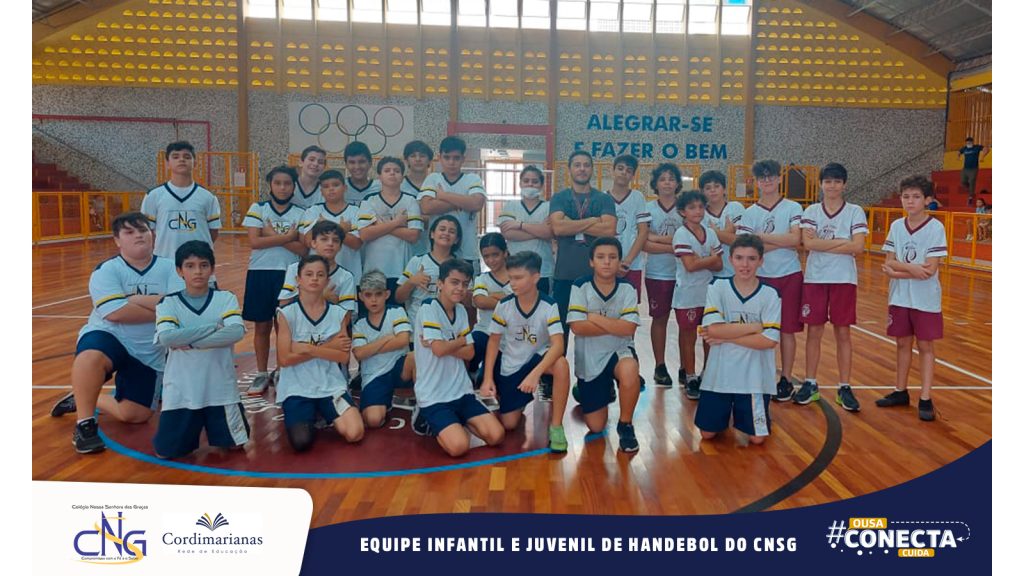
[104, 544]
[902, 538]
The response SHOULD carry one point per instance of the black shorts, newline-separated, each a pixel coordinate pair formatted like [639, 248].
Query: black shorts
[133, 380]
[262, 287]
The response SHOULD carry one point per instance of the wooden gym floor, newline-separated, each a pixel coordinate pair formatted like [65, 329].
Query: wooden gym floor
[816, 454]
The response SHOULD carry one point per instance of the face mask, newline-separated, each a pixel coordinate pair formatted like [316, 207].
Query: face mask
[531, 193]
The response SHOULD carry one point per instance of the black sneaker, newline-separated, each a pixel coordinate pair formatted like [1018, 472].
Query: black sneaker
[419, 423]
[925, 410]
[64, 406]
[661, 376]
[693, 389]
[847, 400]
[784, 391]
[86, 438]
[356, 384]
[807, 393]
[544, 391]
[627, 437]
[894, 398]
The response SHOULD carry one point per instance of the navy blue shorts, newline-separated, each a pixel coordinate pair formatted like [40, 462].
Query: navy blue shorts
[262, 288]
[380, 391]
[133, 380]
[510, 397]
[444, 414]
[479, 351]
[178, 433]
[749, 412]
[393, 288]
[302, 410]
[544, 286]
[598, 393]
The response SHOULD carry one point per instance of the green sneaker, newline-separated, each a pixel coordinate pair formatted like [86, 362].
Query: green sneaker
[808, 393]
[576, 392]
[556, 439]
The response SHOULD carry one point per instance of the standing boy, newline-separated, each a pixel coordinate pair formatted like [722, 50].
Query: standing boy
[335, 209]
[418, 158]
[633, 220]
[721, 215]
[527, 226]
[396, 223]
[311, 165]
[180, 209]
[341, 285]
[359, 183]
[452, 191]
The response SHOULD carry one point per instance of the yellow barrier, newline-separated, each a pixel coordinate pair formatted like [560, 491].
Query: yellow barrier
[798, 183]
[968, 235]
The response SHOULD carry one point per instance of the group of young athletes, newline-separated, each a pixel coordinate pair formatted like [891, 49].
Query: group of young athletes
[387, 270]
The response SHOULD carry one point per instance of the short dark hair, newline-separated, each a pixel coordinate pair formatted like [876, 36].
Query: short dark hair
[628, 160]
[390, 160]
[282, 169]
[711, 176]
[661, 169]
[493, 239]
[327, 227]
[527, 259]
[136, 220]
[576, 153]
[532, 168]
[331, 175]
[179, 145]
[833, 170]
[196, 248]
[452, 144]
[748, 241]
[458, 229]
[763, 168]
[454, 265]
[689, 197]
[968, 139]
[311, 149]
[920, 182]
[310, 259]
[417, 146]
[357, 148]
[606, 241]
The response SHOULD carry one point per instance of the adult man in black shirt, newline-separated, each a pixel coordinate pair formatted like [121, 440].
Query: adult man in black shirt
[972, 156]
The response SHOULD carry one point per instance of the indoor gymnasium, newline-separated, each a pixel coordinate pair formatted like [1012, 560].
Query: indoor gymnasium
[301, 243]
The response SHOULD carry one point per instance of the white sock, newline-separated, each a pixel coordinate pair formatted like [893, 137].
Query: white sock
[844, 385]
[86, 419]
[811, 380]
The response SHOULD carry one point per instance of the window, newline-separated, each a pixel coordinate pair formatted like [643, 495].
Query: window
[637, 16]
[297, 10]
[472, 13]
[262, 9]
[604, 15]
[436, 13]
[670, 16]
[536, 14]
[367, 11]
[402, 12]
[332, 10]
[504, 14]
[572, 15]
[703, 17]
[736, 18]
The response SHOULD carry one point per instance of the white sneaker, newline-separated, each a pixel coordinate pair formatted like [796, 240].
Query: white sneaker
[259, 385]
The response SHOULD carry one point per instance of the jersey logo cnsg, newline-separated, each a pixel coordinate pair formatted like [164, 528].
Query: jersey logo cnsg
[524, 335]
[182, 220]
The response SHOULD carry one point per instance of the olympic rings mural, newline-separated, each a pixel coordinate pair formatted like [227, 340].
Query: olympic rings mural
[384, 129]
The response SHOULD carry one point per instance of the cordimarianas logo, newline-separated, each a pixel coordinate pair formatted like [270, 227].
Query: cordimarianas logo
[105, 545]
[238, 538]
[907, 538]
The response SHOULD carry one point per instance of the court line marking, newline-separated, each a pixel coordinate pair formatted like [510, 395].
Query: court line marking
[937, 360]
[60, 302]
[59, 316]
[983, 388]
[62, 387]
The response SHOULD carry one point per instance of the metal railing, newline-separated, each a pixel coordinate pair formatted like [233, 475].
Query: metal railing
[968, 235]
[798, 183]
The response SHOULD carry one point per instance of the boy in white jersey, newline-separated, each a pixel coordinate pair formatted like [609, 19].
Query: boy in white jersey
[389, 242]
[526, 226]
[180, 209]
[312, 162]
[489, 288]
[341, 286]
[833, 234]
[721, 216]
[603, 316]
[335, 209]
[418, 158]
[915, 248]
[444, 393]
[380, 341]
[273, 227]
[199, 327]
[312, 347]
[741, 323]
[358, 162]
[633, 220]
[452, 191]
[699, 255]
[525, 345]
[666, 181]
[117, 340]
[776, 221]
[419, 279]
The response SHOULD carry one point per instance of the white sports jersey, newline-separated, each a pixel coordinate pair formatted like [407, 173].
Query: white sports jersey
[440, 379]
[316, 378]
[779, 219]
[594, 352]
[110, 286]
[465, 185]
[179, 215]
[736, 369]
[692, 287]
[432, 268]
[629, 214]
[731, 212]
[389, 253]
[827, 267]
[351, 260]
[355, 195]
[663, 223]
[485, 285]
[394, 321]
[517, 212]
[523, 333]
[915, 246]
[304, 199]
[196, 379]
[341, 283]
[276, 257]
[423, 245]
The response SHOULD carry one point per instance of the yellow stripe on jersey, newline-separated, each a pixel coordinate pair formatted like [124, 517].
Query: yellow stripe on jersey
[358, 335]
[480, 287]
[212, 218]
[422, 190]
[775, 326]
[711, 310]
[507, 215]
[346, 298]
[420, 218]
[629, 310]
[400, 321]
[499, 319]
[110, 298]
[170, 319]
[304, 223]
[254, 215]
[150, 218]
[553, 321]
[573, 308]
[366, 216]
[476, 186]
[406, 274]
[431, 325]
[289, 287]
[464, 332]
[230, 313]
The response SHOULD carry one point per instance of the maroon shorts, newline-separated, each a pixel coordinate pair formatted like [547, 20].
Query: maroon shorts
[659, 296]
[635, 278]
[909, 322]
[835, 303]
[689, 318]
[789, 289]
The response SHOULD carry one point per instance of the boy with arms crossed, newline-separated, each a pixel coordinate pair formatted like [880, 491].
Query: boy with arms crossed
[358, 162]
[180, 209]
[348, 216]
[452, 191]
[633, 221]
